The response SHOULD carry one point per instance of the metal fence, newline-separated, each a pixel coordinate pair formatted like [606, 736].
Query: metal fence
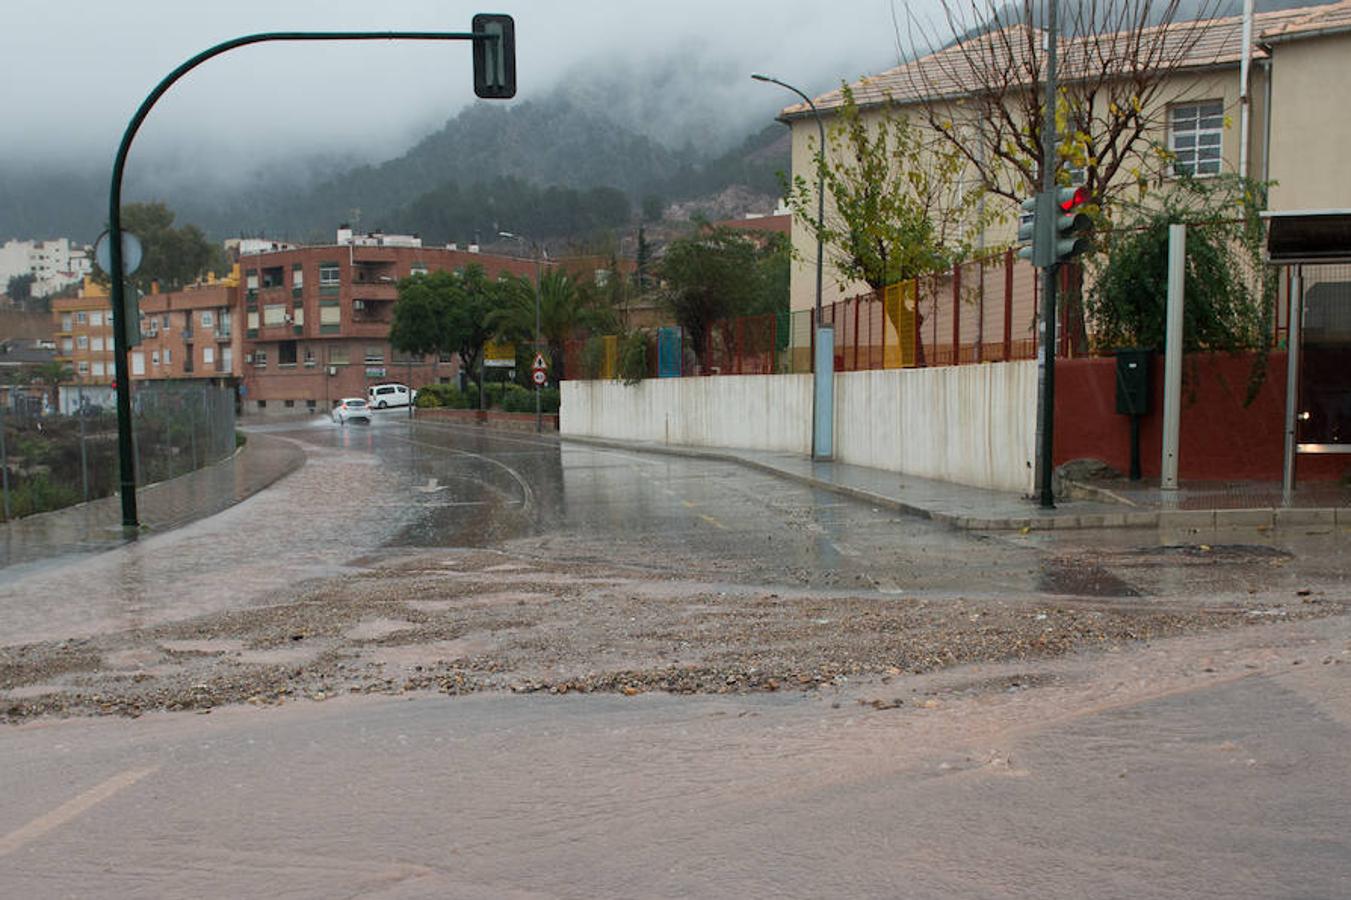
[51, 461]
[984, 310]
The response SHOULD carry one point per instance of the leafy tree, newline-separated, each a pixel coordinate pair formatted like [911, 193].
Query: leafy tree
[566, 308]
[20, 288]
[891, 209]
[445, 312]
[1230, 292]
[718, 273]
[174, 257]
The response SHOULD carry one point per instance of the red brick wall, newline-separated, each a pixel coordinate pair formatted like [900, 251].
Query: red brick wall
[1221, 438]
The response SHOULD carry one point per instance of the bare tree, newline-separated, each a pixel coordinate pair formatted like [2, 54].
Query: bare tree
[1117, 65]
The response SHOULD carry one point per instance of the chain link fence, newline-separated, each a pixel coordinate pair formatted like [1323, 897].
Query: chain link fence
[52, 461]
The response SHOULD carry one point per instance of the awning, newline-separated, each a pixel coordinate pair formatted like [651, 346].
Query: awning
[1309, 236]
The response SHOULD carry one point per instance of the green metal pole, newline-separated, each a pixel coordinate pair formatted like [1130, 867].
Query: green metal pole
[125, 447]
[1049, 156]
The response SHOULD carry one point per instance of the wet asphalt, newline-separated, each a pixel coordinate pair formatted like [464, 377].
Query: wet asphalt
[1205, 766]
[370, 493]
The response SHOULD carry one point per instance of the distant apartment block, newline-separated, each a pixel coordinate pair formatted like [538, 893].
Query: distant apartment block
[54, 264]
[84, 333]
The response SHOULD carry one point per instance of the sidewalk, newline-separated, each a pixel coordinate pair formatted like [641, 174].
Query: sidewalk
[1200, 505]
[97, 525]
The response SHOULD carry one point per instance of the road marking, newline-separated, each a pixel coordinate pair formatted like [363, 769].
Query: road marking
[69, 810]
[712, 521]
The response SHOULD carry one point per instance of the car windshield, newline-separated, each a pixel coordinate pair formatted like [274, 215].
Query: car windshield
[356, 402]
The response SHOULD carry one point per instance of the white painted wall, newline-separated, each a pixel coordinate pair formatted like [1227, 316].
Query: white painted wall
[749, 412]
[972, 425]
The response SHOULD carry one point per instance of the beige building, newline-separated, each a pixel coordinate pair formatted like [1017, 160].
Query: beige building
[1297, 131]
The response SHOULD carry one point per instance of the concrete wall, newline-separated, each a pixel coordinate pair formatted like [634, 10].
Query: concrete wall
[971, 425]
[968, 424]
[752, 412]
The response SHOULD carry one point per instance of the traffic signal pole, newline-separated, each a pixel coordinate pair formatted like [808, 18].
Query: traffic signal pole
[494, 76]
[1047, 226]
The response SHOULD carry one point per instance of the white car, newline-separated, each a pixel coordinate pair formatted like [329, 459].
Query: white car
[352, 409]
[383, 396]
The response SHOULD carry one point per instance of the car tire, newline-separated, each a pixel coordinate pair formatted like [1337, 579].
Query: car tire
[381, 405]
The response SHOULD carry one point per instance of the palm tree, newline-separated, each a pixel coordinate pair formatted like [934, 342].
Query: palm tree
[565, 308]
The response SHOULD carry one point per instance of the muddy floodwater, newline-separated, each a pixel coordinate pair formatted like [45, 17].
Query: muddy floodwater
[435, 662]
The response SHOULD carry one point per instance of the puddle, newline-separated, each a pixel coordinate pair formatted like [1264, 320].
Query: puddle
[1081, 579]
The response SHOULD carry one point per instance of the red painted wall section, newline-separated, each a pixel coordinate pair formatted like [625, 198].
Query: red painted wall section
[1221, 440]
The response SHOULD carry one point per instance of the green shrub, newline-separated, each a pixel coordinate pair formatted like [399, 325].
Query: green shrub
[494, 391]
[517, 399]
[633, 354]
[434, 395]
[549, 400]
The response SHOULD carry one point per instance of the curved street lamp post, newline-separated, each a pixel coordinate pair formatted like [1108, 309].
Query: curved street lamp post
[494, 76]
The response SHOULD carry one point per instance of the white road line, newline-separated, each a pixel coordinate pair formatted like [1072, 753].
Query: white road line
[69, 810]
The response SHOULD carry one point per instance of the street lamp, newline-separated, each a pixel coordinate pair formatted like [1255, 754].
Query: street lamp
[821, 430]
[494, 42]
[539, 418]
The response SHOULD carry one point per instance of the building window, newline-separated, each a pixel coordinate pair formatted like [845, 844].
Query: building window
[96, 344]
[208, 356]
[82, 341]
[262, 404]
[65, 321]
[330, 275]
[81, 318]
[251, 280]
[1195, 135]
[227, 359]
[418, 269]
[274, 314]
[297, 277]
[310, 405]
[298, 316]
[286, 354]
[168, 357]
[96, 320]
[98, 370]
[138, 363]
[339, 356]
[67, 346]
[289, 404]
[208, 319]
[154, 357]
[309, 357]
[260, 359]
[82, 367]
[252, 320]
[375, 356]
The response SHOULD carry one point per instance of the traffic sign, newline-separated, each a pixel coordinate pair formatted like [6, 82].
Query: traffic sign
[539, 376]
[539, 362]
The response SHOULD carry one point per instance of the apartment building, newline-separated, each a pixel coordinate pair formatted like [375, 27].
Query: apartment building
[84, 334]
[316, 319]
[54, 264]
[190, 333]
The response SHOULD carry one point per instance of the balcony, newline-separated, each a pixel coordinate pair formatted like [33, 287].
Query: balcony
[386, 292]
[223, 334]
[186, 334]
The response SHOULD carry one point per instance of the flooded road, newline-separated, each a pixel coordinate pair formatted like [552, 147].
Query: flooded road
[440, 662]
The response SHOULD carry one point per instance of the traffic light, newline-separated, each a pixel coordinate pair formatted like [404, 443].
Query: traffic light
[1072, 225]
[1027, 230]
[494, 56]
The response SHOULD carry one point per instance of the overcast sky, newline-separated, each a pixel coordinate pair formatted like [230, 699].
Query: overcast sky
[73, 72]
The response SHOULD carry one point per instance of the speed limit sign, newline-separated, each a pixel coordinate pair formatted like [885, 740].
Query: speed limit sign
[539, 376]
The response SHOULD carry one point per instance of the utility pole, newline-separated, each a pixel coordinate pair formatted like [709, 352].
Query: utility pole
[1049, 159]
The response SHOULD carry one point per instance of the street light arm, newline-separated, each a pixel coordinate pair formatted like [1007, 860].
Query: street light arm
[126, 455]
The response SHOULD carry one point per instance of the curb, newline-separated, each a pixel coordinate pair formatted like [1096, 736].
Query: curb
[1134, 518]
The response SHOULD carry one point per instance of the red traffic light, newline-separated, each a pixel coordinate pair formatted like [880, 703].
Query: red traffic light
[1078, 198]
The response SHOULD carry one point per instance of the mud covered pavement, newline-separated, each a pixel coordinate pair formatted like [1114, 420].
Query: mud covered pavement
[479, 620]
